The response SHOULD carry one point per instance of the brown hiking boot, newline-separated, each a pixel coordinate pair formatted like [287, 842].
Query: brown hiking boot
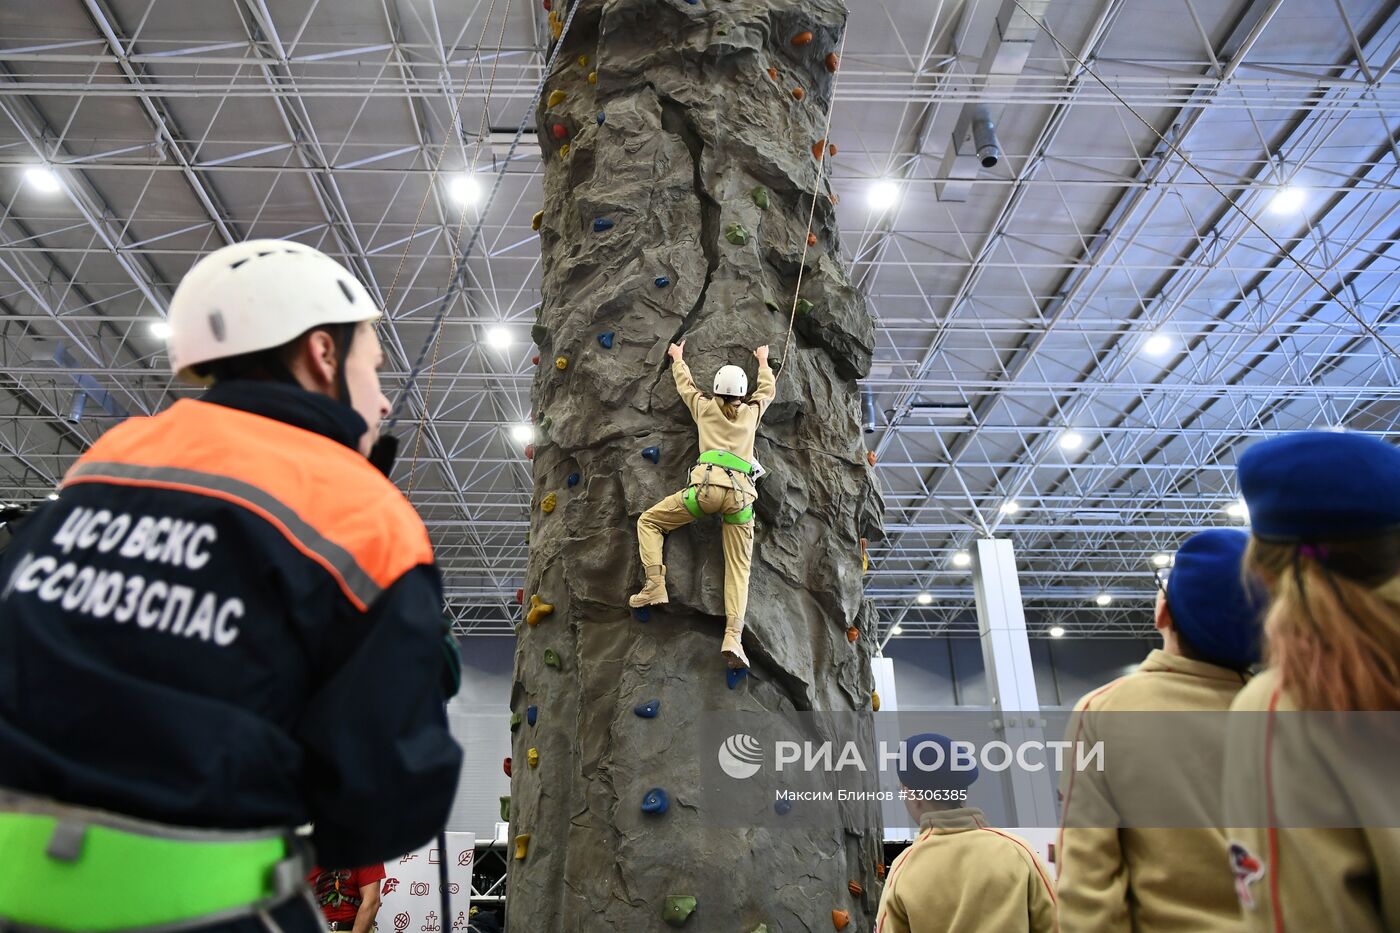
[733, 647]
[655, 590]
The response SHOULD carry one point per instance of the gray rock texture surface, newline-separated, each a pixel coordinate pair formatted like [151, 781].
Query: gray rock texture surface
[692, 124]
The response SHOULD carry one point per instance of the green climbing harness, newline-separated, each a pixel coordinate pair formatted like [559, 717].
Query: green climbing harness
[64, 868]
[728, 462]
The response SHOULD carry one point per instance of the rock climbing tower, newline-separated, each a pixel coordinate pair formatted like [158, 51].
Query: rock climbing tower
[683, 142]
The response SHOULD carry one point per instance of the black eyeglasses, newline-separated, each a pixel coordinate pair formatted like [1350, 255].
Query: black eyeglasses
[1160, 575]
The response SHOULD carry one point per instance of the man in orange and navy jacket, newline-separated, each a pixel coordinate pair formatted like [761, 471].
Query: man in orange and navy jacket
[229, 619]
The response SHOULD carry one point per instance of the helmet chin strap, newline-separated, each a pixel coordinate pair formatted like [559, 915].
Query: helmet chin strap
[386, 447]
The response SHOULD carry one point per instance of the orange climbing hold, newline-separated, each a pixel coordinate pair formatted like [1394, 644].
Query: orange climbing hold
[802, 38]
[856, 888]
[819, 149]
[811, 239]
[852, 633]
[538, 610]
[798, 93]
[879, 869]
[773, 73]
[840, 919]
[832, 62]
[831, 149]
[870, 457]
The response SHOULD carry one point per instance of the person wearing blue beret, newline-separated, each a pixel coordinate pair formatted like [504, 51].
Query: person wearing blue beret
[961, 875]
[1307, 782]
[1141, 840]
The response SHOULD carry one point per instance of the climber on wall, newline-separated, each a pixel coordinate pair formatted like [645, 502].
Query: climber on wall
[722, 482]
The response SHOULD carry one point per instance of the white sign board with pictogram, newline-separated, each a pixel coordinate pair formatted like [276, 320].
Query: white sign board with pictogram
[411, 892]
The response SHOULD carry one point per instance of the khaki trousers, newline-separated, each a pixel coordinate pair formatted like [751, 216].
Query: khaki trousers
[670, 513]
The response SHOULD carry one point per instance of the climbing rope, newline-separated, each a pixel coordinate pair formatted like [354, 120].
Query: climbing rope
[1176, 150]
[812, 211]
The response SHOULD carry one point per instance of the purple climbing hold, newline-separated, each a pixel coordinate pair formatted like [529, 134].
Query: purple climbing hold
[734, 675]
[656, 801]
[531, 714]
[601, 117]
[662, 281]
[652, 453]
[648, 710]
[606, 339]
[782, 806]
[643, 614]
[601, 223]
[572, 480]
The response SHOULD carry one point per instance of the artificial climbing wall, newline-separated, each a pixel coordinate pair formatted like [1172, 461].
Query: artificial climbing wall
[681, 146]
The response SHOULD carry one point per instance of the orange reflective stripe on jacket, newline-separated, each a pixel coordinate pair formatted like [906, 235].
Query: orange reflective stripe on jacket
[326, 499]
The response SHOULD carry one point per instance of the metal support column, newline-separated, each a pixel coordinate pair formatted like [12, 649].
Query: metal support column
[1006, 651]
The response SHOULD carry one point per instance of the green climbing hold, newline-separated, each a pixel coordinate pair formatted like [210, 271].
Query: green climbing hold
[761, 928]
[771, 305]
[760, 197]
[539, 334]
[678, 909]
[737, 234]
[514, 721]
[551, 657]
[803, 306]
[505, 809]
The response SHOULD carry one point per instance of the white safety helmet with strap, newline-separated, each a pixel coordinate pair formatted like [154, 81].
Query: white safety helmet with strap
[258, 295]
[731, 380]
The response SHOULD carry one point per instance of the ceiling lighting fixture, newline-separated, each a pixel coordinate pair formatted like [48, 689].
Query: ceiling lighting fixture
[1288, 199]
[883, 195]
[523, 433]
[1010, 507]
[962, 559]
[465, 189]
[1071, 440]
[923, 599]
[1157, 345]
[160, 330]
[42, 179]
[53, 496]
[897, 630]
[1103, 599]
[498, 337]
[1238, 510]
[1057, 631]
[1161, 560]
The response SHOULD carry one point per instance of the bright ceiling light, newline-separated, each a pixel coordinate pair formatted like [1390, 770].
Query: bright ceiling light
[465, 189]
[1071, 440]
[883, 195]
[897, 630]
[43, 179]
[923, 599]
[1010, 507]
[1103, 599]
[53, 496]
[1161, 560]
[160, 330]
[498, 337]
[1238, 510]
[1157, 345]
[523, 433]
[1288, 199]
[1057, 631]
[962, 559]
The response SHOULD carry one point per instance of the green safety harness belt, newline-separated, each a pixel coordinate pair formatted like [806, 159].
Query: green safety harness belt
[65, 868]
[727, 462]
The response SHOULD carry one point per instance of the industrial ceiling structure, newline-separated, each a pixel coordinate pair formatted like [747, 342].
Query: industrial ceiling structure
[1187, 241]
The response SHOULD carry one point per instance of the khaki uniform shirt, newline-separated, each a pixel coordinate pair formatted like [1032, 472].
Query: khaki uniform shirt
[733, 431]
[1120, 867]
[1303, 879]
[962, 876]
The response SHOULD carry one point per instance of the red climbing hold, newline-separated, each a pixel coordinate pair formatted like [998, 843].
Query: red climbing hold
[831, 149]
[856, 888]
[529, 451]
[560, 131]
[879, 869]
[548, 5]
[520, 597]
[535, 359]
[505, 766]
[802, 38]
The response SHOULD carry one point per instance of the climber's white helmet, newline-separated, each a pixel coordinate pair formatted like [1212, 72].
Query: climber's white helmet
[731, 380]
[258, 295]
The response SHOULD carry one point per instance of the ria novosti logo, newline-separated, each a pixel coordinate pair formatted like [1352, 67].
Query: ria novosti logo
[740, 756]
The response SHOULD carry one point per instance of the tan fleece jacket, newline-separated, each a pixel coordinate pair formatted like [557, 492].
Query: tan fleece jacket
[722, 427]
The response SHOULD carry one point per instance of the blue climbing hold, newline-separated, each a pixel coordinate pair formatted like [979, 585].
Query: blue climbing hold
[643, 614]
[736, 674]
[652, 453]
[656, 801]
[602, 223]
[572, 480]
[606, 340]
[648, 710]
[601, 117]
[662, 281]
[782, 807]
[531, 714]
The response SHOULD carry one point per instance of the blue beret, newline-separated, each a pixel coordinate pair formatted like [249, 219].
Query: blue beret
[926, 769]
[1320, 484]
[1210, 602]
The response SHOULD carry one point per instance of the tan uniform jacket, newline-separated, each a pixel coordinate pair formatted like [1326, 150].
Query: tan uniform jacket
[1297, 880]
[720, 432]
[962, 876]
[1114, 874]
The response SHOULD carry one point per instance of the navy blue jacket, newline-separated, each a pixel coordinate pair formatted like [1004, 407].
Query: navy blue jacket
[229, 619]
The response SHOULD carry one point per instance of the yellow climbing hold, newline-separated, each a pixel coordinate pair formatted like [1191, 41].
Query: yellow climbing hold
[533, 756]
[547, 503]
[593, 77]
[522, 846]
[564, 151]
[538, 610]
[874, 701]
[561, 363]
[537, 220]
[583, 61]
[556, 25]
[556, 98]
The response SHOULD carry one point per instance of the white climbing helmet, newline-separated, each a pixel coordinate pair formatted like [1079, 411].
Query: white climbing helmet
[258, 295]
[731, 380]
